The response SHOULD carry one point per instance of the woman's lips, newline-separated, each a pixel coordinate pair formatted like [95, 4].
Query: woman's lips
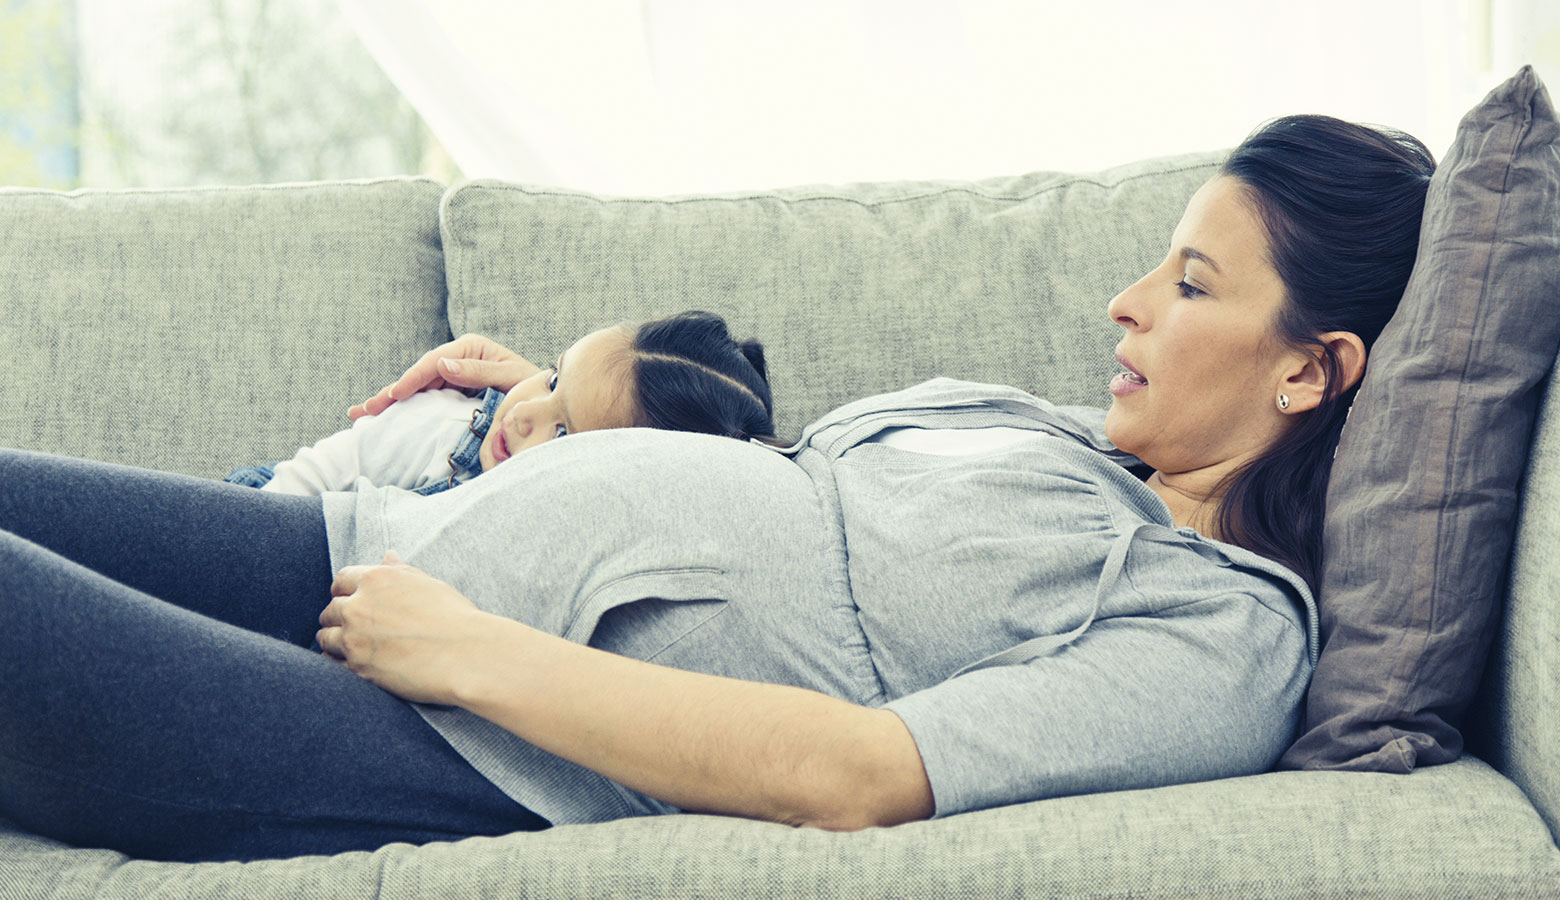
[1128, 382]
[1122, 385]
[1128, 366]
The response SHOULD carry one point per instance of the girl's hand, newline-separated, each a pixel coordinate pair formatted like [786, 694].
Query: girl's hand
[469, 361]
[401, 628]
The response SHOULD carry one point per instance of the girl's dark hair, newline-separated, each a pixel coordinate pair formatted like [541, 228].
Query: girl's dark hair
[689, 374]
[1341, 204]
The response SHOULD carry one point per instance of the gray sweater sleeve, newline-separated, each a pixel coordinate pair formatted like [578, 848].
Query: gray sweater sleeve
[1206, 690]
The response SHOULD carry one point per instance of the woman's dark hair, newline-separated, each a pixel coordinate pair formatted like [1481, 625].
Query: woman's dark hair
[1341, 204]
[689, 374]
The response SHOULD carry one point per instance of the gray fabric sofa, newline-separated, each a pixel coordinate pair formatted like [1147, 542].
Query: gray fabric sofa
[198, 330]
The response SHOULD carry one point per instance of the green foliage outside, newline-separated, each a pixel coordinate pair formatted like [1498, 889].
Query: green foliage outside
[35, 68]
[231, 92]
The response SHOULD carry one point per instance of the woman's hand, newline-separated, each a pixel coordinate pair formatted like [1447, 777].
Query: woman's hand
[401, 628]
[469, 361]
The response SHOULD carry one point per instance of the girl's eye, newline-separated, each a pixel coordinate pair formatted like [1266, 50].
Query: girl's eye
[552, 380]
[1187, 290]
[560, 431]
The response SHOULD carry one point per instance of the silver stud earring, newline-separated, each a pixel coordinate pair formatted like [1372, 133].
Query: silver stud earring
[1283, 401]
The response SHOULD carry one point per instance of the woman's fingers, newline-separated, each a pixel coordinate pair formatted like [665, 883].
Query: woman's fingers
[381, 401]
[332, 624]
[330, 642]
[503, 374]
[347, 580]
[478, 362]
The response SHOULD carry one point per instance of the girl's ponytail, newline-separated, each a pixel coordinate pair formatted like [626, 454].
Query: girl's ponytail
[754, 352]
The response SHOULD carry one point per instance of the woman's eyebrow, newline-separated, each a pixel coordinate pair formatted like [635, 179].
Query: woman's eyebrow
[568, 422]
[1190, 253]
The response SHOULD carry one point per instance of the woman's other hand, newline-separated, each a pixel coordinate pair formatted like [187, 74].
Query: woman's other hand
[400, 628]
[469, 361]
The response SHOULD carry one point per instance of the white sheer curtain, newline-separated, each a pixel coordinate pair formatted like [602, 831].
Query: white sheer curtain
[668, 96]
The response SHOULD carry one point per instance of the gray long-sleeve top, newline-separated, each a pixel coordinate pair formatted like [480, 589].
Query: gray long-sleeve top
[1031, 613]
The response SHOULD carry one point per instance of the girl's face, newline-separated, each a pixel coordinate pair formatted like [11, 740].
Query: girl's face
[586, 390]
[1201, 329]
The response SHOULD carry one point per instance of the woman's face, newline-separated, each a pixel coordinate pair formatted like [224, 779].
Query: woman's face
[1200, 328]
[586, 390]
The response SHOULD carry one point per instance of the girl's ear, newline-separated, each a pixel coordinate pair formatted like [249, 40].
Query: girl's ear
[1306, 383]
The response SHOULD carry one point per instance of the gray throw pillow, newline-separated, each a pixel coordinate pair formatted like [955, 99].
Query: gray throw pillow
[1423, 497]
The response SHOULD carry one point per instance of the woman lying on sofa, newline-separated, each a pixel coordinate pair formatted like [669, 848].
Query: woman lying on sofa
[944, 599]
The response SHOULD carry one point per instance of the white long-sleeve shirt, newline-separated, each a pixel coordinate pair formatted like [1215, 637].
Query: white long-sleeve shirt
[407, 446]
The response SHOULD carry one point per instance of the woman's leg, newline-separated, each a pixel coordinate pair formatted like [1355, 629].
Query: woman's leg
[254, 559]
[131, 723]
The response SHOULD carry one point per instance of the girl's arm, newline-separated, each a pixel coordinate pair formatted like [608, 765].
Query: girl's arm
[700, 742]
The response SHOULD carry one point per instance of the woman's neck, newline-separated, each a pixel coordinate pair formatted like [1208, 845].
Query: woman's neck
[1188, 507]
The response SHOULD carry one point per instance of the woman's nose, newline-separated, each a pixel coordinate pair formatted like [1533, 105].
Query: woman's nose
[1124, 309]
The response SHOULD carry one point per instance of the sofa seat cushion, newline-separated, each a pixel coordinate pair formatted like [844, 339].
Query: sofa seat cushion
[1455, 830]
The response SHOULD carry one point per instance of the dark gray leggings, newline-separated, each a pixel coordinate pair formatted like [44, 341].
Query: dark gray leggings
[157, 693]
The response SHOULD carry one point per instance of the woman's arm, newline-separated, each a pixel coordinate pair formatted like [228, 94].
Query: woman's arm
[700, 742]
[482, 363]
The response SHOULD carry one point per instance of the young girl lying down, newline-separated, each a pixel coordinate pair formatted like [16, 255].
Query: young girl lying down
[680, 373]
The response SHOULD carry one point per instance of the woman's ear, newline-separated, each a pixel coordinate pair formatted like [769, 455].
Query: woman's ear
[1306, 382]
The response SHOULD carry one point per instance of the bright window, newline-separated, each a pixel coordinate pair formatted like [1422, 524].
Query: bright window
[107, 93]
[667, 96]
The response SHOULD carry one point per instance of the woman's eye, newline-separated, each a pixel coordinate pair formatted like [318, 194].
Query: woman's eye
[1187, 290]
[560, 431]
[552, 381]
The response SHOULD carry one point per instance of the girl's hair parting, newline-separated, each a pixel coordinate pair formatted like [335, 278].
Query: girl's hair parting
[689, 374]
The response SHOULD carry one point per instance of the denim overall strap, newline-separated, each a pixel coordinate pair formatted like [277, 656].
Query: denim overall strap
[465, 461]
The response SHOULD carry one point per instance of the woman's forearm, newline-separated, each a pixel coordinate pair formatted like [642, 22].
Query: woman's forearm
[700, 742]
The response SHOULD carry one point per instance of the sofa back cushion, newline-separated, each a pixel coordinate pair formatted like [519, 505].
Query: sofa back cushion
[855, 290]
[197, 330]
[1515, 719]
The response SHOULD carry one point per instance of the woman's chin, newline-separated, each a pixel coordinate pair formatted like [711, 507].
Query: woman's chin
[1116, 431]
[1113, 423]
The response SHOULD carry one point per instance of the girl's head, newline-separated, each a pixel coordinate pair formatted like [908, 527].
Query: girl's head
[680, 373]
[1247, 343]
